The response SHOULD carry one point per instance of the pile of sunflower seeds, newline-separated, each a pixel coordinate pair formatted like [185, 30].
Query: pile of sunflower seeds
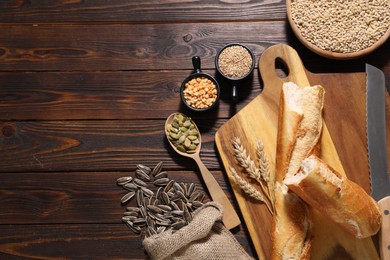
[169, 208]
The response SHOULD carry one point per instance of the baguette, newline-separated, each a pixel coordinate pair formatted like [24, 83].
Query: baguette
[340, 199]
[299, 130]
[291, 237]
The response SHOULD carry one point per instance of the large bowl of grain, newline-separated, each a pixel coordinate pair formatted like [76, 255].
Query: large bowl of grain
[340, 30]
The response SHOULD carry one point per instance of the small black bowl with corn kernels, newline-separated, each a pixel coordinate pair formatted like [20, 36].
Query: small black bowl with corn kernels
[200, 91]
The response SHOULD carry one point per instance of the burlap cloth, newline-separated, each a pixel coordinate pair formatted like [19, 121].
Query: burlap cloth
[205, 237]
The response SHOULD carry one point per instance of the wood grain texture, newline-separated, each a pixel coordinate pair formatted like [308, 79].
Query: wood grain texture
[139, 11]
[75, 241]
[77, 197]
[96, 145]
[107, 95]
[126, 46]
[86, 47]
[85, 88]
[258, 120]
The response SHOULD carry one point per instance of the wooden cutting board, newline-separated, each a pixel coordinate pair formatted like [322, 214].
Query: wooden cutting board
[343, 146]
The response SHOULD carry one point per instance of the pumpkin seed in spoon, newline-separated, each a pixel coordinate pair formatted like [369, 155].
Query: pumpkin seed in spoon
[183, 133]
[178, 125]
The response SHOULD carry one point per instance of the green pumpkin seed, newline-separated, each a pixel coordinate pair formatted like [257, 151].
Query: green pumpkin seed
[181, 140]
[174, 136]
[187, 143]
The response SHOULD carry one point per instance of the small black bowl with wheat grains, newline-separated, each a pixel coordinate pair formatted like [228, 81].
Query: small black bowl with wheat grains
[200, 91]
[235, 62]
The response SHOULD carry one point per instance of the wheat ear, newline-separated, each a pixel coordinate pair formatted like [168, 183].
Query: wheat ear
[249, 189]
[248, 164]
[265, 172]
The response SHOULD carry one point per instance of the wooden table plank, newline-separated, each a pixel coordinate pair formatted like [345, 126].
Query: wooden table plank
[95, 145]
[77, 197]
[77, 242]
[106, 95]
[127, 46]
[138, 11]
[85, 87]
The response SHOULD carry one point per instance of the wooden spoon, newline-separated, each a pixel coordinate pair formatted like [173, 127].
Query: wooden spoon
[230, 218]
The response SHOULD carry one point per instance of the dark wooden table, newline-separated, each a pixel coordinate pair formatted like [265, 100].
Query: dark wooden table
[85, 88]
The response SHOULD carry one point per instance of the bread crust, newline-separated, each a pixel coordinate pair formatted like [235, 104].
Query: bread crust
[337, 197]
[291, 236]
[299, 130]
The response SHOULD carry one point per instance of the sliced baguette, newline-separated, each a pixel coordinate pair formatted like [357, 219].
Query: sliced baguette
[299, 130]
[342, 200]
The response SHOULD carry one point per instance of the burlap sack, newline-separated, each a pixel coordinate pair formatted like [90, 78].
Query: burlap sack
[205, 237]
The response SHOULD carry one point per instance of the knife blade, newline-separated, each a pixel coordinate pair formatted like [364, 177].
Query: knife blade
[377, 152]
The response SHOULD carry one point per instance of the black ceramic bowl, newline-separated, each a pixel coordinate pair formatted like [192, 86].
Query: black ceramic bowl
[199, 74]
[235, 80]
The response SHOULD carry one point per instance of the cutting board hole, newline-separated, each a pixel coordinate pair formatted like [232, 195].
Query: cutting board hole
[281, 68]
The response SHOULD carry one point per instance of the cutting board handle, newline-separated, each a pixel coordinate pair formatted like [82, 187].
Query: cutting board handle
[290, 58]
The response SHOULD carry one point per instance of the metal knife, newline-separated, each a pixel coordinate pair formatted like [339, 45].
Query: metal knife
[377, 152]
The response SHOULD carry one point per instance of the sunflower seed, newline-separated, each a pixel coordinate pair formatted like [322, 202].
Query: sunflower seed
[146, 201]
[139, 222]
[190, 190]
[160, 217]
[164, 198]
[180, 204]
[175, 197]
[163, 223]
[142, 175]
[139, 182]
[170, 194]
[130, 186]
[178, 187]
[174, 205]
[178, 213]
[182, 196]
[186, 214]
[139, 198]
[147, 192]
[144, 168]
[161, 175]
[161, 182]
[154, 209]
[168, 215]
[164, 208]
[123, 180]
[158, 192]
[169, 186]
[127, 197]
[129, 218]
[130, 214]
[152, 199]
[133, 209]
[143, 211]
[152, 215]
[149, 221]
[194, 196]
[169, 207]
[135, 229]
[157, 169]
